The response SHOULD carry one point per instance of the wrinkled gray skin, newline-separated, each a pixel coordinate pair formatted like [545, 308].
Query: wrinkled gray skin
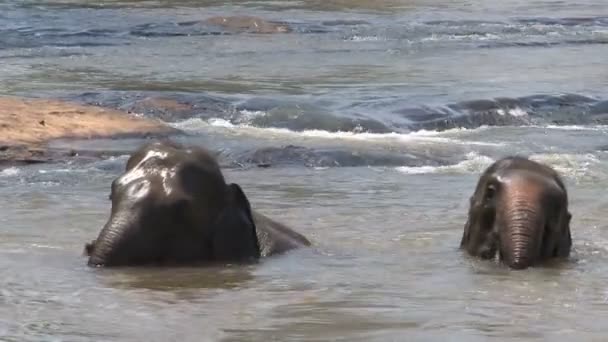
[172, 206]
[519, 212]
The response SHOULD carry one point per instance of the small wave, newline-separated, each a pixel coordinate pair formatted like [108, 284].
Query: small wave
[357, 38]
[573, 21]
[544, 43]
[389, 115]
[449, 131]
[513, 112]
[575, 127]
[42, 172]
[412, 170]
[248, 115]
[11, 171]
[570, 165]
[460, 37]
[37, 38]
[530, 32]
[539, 110]
[191, 125]
[217, 122]
[474, 163]
[196, 125]
[114, 163]
[36, 245]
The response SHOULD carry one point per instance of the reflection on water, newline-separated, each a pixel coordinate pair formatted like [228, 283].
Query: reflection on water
[177, 279]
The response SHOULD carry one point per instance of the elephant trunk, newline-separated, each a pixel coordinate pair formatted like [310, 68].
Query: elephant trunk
[521, 232]
[107, 247]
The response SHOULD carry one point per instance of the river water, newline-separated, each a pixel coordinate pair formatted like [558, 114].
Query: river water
[376, 119]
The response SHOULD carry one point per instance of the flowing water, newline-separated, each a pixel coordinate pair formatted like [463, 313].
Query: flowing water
[376, 119]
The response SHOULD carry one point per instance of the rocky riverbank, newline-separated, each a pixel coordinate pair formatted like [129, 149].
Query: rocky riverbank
[27, 125]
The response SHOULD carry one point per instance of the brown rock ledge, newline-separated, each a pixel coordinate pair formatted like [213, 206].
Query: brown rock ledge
[26, 125]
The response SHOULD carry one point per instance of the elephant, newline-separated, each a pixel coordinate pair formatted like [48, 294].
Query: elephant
[172, 206]
[518, 214]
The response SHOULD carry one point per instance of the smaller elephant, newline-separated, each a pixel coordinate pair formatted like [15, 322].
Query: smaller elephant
[518, 213]
[172, 206]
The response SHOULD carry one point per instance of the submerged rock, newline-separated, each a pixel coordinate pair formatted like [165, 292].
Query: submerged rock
[292, 155]
[247, 24]
[166, 107]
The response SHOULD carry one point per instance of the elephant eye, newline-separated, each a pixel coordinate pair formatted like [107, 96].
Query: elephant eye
[490, 192]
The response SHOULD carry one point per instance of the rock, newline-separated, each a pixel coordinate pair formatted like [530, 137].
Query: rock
[248, 24]
[26, 125]
[292, 155]
[165, 109]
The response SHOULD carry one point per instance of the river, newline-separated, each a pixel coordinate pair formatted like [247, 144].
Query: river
[376, 119]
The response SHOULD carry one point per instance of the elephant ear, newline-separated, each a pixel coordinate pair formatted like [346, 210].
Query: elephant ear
[89, 248]
[467, 226]
[464, 241]
[564, 243]
[234, 236]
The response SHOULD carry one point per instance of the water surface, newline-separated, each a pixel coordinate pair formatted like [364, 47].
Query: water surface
[375, 117]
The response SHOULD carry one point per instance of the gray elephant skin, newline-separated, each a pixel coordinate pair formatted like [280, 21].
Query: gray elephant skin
[172, 206]
[518, 214]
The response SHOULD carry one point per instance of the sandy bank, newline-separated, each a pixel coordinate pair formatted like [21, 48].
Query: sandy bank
[26, 125]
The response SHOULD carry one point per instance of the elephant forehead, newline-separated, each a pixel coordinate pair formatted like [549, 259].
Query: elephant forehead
[153, 154]
[139, 171]
[528, 181]
[163, 175]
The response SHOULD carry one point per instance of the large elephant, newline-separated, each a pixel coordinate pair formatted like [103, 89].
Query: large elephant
[518, 213]
[172, 206]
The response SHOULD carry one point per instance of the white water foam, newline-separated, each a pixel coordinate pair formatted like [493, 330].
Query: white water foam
[196, 125]
[575, 166]
[11, 171]
[569, 165]
[575, 127]
[248, 115]
[190, 125]
[421, 170]
[35, 245]
[474, 163]
[517, 112]
[460, 37]
[364, 38]
[61, 171]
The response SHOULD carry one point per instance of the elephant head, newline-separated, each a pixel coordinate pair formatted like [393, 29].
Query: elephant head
[172, 206]
[518, 213]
